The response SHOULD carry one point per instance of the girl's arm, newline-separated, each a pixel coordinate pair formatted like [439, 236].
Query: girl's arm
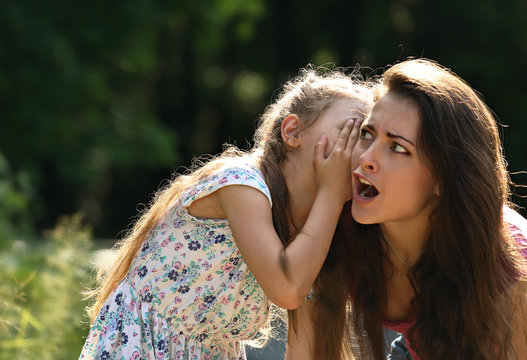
[286, 275]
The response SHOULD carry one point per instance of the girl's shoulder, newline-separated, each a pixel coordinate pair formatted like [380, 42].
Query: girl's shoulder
[233, 171]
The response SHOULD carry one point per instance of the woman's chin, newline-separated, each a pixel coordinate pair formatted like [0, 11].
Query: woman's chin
[362, 217]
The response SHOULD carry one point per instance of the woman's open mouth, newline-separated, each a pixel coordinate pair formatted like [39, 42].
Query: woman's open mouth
[366, 190]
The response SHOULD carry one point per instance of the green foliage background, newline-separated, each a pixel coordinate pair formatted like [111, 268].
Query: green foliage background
[41, 306]
[102, 101]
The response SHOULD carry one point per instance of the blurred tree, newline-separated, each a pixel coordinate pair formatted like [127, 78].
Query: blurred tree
[100, 102]
[75, 84]
[16, 193]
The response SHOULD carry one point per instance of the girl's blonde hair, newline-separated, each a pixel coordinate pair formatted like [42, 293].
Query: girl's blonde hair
[306, 95]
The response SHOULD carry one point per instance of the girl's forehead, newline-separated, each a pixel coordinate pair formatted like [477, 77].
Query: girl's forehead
[352, 106]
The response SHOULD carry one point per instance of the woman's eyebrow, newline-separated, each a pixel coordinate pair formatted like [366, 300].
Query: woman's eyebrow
[370, 127]
[389, 134]
[395, 136]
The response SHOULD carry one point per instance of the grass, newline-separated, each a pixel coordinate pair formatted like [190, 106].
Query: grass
[41, 306]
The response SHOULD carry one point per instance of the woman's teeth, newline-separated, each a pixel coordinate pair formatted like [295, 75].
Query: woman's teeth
[368, 190]
[364, 181]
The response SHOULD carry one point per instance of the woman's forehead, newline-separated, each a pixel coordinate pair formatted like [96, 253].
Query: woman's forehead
[394, 113]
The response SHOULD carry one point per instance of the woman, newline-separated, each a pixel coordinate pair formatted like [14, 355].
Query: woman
[433, 249]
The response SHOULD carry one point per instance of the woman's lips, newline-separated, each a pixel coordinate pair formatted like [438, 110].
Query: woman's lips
[364, 190]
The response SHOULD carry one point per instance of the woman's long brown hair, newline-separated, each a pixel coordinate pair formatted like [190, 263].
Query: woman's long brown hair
[306, 95]
[464, 303]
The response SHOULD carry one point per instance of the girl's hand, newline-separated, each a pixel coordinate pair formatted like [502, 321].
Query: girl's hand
[333, 174]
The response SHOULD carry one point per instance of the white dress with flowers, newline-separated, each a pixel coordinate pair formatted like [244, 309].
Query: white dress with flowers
[188, 295]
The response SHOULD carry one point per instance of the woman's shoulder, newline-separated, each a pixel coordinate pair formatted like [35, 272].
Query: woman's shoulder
[515, 220]
[517, 226]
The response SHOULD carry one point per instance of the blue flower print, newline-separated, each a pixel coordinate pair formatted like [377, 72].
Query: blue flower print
[183, 289]
[119, 298]
[235, 276]
[105, 355]
[116, 324]
[124, 339]
[148, 297]
[104, 311]
[172, 275]
[142, 271]
[146, 246]
[194, 245]
[179, 222]
[202, 336]
[234, 260]
[219, 239]
[208, 240]
[235, 332]
[209, 299]
[161, 345]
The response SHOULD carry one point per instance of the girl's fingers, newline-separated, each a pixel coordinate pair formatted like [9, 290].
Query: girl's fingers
[344, 135]
[320, 150]
[354, 136]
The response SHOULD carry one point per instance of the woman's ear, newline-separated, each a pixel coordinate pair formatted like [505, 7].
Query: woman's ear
[436, 190]
[291, 130]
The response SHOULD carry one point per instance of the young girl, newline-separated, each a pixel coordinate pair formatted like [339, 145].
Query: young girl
[197, 273]
[434, 250]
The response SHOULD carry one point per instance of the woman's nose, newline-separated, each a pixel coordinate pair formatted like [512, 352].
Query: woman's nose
[367, 160]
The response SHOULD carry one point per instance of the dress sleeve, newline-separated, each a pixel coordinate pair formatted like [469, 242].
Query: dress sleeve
[234, 174]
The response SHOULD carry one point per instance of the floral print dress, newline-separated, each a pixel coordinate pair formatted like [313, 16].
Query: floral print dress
[188, 294]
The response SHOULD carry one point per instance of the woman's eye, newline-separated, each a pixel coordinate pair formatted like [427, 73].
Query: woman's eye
[399, 149]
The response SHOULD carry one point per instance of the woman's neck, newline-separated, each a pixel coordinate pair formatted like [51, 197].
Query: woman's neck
[405, 242]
